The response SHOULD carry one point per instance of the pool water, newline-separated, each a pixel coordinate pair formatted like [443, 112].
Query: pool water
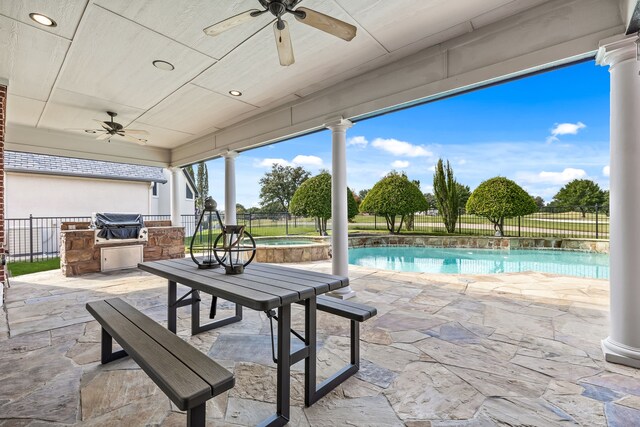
[283, 242]
[481, 261]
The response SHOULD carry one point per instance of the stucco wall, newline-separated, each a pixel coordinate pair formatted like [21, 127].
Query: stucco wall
[47, 195]
[161, 205]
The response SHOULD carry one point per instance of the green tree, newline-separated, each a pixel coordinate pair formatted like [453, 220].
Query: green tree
[202, 185]
[445, 190]
[539, 202]
[605, 203]
[392, 196]
[431, 200]
[581, 194]
[240, 209]
[280, 184]
[499, 198]
[464, 192]
[313, 198]
[362, 194]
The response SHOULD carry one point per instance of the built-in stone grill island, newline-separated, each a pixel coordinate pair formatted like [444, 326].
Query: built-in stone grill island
[82, 251]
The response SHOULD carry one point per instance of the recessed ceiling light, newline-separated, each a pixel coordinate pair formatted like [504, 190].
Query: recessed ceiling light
[235, 93]
[43, 20]
[163, 65]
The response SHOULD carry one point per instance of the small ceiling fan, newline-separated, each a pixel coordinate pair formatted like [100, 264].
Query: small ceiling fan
[278, 8]
[111, 128]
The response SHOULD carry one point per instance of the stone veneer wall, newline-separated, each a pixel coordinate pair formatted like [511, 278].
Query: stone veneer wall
[293, 253]
[3, 116]
[587, 245]
[80, 255]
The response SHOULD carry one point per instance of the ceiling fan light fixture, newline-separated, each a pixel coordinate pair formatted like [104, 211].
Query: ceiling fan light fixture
[163, 65]
[235, 93]
[43, 19]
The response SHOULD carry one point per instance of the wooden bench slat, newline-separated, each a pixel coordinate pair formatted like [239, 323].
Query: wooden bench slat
[351, 310]
[215, 375]
[337, 283]
[177, 381]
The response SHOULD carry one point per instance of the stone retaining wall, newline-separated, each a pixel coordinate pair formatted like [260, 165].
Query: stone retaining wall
[587, 245]
[80, 255]
[293, 253]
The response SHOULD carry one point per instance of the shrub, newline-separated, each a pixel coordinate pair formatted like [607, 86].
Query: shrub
[313, 198]
[394, 195]
[499, 198]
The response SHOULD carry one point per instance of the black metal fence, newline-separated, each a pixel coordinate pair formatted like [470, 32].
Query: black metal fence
[579, 222]
[38, 238]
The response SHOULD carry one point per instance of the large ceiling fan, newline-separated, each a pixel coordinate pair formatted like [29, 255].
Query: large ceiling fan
[110, 128]
[278, 8]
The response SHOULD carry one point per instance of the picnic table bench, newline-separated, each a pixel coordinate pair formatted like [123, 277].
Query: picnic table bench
[188, 377]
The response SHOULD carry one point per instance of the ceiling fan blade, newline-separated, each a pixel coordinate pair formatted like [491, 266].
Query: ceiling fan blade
[135, 131]
[136, 140]
[103, 124]
[327, 24]
[283, 43]
[106, 135]
[229, 23]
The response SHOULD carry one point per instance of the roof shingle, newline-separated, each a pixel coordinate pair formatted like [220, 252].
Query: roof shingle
[16, 161]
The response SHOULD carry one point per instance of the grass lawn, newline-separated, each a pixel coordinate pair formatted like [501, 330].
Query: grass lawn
[25, 267]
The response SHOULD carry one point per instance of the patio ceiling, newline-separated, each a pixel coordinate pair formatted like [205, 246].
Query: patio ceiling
[99, 57]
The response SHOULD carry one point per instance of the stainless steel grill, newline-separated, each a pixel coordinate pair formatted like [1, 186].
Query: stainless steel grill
[118, 228]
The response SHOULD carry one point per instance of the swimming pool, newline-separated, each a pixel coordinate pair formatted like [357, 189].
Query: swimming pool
[481, 261]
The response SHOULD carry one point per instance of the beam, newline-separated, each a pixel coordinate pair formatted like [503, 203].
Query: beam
[554, 33]
[58, 143]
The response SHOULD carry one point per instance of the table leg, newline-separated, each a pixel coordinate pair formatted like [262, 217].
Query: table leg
[283, 393]
[172, 310]
[196, 327]
[310, 343]
[284, 365]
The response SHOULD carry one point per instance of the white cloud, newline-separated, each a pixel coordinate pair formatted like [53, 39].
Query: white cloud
[301, 160]
[399, 164]
[267, 163]
[565, 129]
[605, 170]
[462, 161]
[400, 148]
[358, 141]
[557, 178]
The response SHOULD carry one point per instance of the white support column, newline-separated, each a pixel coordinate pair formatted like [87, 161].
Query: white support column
[176, 217]
[623, 343]
[339, 219]
[230, 188]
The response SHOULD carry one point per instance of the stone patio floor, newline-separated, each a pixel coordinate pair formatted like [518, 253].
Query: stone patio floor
[445, 350]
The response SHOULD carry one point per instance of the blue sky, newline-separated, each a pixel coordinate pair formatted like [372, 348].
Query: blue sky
[541, 131]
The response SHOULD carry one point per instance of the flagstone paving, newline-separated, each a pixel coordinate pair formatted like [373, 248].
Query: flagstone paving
[444, 350]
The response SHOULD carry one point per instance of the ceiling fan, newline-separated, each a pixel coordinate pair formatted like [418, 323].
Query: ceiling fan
[111, 128]
[278, 8]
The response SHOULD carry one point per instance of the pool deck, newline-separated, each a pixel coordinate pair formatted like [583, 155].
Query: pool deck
[445, 350]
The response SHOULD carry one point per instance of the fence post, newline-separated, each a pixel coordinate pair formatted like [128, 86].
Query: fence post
[459, 221]
[596, 220]
[286, 224]
[519, 226]
[250, 231]
[30, 237]
[375, 221]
